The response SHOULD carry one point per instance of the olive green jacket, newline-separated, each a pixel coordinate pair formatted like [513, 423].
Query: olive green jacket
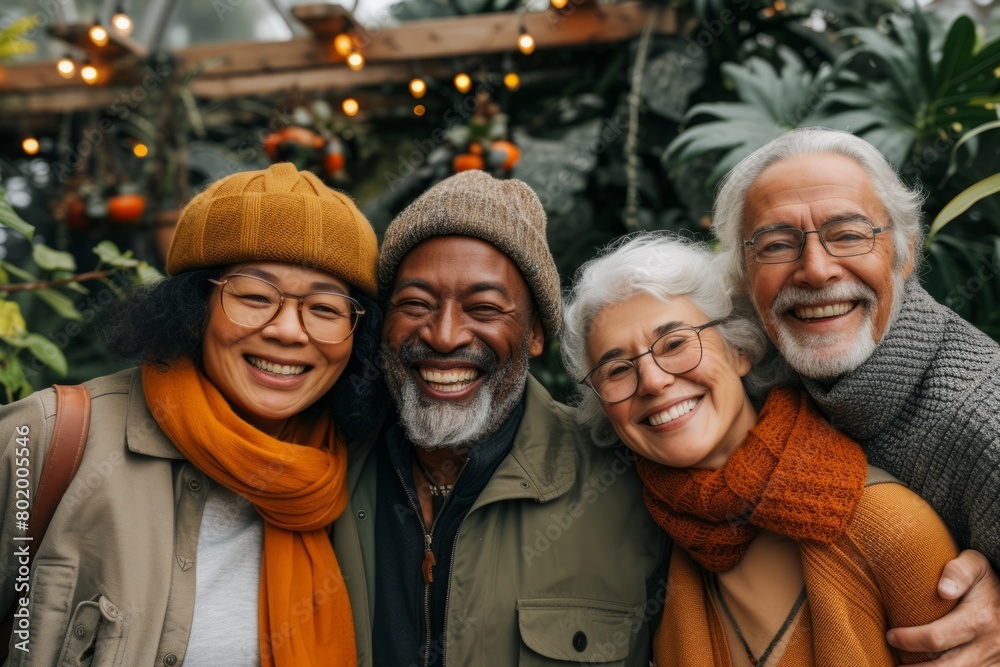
[115, 572]
[556, 563]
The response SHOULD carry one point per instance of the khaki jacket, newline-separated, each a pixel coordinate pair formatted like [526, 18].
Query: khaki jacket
[552, 563]
[114, 574]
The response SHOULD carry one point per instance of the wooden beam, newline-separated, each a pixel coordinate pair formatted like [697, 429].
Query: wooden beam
[78, 35]
[309, 63]
[326, 21]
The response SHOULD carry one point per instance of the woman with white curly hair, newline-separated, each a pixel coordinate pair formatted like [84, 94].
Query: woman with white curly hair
[789, 549]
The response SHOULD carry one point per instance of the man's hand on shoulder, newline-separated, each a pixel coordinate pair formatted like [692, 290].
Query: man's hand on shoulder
[968, 636]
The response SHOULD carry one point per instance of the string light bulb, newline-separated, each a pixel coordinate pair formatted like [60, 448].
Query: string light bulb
[350, 106]
[558, 4]
[343, 44]
[525, 42]
[98, 35]
[419, 110]
[512, 80]
[140, 150]
[121, 21]
[355, 60]
[30, 145]
[66, 67]
[89, 74]
[463, 82]
[418, 87]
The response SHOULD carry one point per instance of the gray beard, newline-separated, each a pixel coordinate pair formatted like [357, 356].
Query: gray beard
[805, 353]
[431, 424]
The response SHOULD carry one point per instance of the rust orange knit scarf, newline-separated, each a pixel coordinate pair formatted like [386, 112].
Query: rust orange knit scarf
[298, 485]
[795, 475]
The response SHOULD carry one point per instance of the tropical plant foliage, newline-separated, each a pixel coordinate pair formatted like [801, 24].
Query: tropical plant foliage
[924, 96]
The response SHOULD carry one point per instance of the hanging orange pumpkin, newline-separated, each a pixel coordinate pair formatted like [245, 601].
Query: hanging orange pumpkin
[511, 154]
[126, 209]
[466, 161]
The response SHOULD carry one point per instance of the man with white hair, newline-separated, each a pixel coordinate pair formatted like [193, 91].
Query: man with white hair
[909, 379]
[484, 526]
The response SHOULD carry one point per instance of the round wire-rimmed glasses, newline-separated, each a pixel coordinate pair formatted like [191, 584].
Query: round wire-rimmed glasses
[840, 238]
[252, 302]
[677, 351]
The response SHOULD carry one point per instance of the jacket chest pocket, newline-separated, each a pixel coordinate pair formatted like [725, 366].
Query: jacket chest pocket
[94, 636]
[560, 631]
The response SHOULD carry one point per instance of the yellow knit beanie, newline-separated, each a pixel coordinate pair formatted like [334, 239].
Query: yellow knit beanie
[278, 214]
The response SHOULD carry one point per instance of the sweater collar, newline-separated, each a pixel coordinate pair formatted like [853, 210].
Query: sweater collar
[891, 374]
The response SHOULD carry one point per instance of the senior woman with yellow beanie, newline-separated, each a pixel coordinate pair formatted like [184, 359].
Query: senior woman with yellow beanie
[195, 530]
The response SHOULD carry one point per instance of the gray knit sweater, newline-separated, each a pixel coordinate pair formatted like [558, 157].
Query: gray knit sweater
[926, 408]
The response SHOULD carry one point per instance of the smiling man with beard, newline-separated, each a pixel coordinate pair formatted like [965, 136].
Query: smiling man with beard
[825, 239]
[484, 526]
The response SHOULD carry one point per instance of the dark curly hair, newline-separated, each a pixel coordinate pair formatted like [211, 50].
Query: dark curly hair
[159, 323]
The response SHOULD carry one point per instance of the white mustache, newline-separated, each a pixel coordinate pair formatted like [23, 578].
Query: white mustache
[791, 297]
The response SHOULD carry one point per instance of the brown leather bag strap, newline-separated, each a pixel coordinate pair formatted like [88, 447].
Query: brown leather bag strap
[69, 438]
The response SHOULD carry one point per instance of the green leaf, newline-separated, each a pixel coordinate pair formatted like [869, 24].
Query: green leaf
[12, 376]
[985, 127]
[10, 218]
[111, 255]
[147, 275]
[15, 270]
[52, 260]
[60, 303]
[75, 286]
[47, 352]
[956, 55]
[961, 203]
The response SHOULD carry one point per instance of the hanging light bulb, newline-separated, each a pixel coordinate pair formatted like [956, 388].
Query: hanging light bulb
[121, 21]
[418, 87]
[98, 35]
[30, 145]
[525, 42]
[66, 67]
[419, 110]
[350, 106]
[558, 4]
[343, 44]
[140, 150]
[463, 82]
[89, 73]
[512, 80]
[355, 60]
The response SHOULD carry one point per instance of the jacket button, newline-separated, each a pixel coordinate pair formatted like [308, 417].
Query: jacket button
[362, 515]
[170, 660]
[194, 485]
[580, 642]
[80, 631]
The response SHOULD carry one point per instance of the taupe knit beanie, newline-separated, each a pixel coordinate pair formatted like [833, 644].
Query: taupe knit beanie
[278, 214]
[504, 213]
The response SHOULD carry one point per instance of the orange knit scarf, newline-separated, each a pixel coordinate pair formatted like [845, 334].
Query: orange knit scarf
[298, 485]
[795, 475]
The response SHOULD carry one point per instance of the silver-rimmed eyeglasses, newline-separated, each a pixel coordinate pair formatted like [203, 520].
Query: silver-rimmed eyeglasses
[677, 351]
[840, 238]
[252, 302]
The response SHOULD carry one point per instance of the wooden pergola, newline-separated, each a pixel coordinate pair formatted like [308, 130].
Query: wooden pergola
[309, 62]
